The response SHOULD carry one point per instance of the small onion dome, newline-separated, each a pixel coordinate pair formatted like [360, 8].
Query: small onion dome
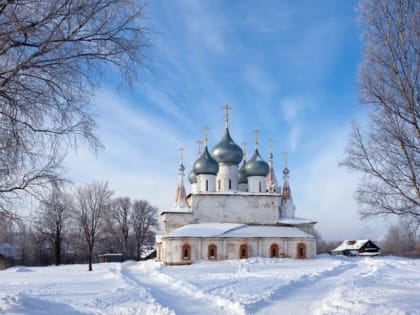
[286, 171]
[181, 168]
[256, 166]
[205, 164]
[227, 151]
[242, 174]
[192, 178]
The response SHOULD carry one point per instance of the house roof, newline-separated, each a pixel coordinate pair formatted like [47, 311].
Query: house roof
[351, 245]
[7, 250]
[286, 220]
[237, 230]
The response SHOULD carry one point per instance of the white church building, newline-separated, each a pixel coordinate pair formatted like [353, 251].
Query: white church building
[236, 209]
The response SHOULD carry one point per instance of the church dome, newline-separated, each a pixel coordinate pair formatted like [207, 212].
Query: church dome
[227, 151]
[192, 177]
[256, 166]
[242, 175]
[205, 164]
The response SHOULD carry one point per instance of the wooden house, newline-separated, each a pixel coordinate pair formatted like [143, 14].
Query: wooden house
[357, 248]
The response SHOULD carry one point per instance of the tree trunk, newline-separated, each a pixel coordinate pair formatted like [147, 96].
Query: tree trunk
[57, 248]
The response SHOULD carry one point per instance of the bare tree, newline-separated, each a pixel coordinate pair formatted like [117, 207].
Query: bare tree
[388, 155]
[399, 241]
[143, 219]
[120, 212]
[52, 55]
[53, 218]
[92, 201]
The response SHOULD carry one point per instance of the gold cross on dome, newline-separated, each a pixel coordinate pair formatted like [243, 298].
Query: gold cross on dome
[206, 135]
[256, 138]
[285, 159]
[270, 145]
[199, 143]
[227, 108]
[244, 144]
[181, 150]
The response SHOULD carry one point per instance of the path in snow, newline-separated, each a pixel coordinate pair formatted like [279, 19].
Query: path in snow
[179, 296]
[302, 295]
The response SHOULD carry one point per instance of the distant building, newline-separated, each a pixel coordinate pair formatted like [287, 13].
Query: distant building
[357, 248]
[105, 258]
[8, 255]
[236, 209]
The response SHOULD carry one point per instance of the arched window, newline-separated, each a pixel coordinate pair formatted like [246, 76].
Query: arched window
[207, 185]
[259, 184]
[274, 250]
[230, 184]
[301, 250]
[212, 252]
[186, 252]
[218, 184]
[243, 251]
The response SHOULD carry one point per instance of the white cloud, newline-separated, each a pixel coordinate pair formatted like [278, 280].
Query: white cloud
[291, 108]
[326, 192]
[140, 157]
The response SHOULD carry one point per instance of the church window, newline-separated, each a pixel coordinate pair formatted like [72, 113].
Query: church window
[186, 252]
[218, 184]
[243, 251]
[207, 185]
[259, 183]
[301, 250]
[212, 252]
[230, 184]
[274, 250]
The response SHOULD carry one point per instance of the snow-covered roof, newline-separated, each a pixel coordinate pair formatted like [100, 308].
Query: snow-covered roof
[204, 229]
[268, 231]
[7, 250]
[237, 192]
[177, 210]
[351, 245]
[286, 220]
[236, 230]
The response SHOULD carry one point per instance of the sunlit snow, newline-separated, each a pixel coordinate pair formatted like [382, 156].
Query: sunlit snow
[324, 285]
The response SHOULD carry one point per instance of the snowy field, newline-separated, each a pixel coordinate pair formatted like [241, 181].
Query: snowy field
[324, 285]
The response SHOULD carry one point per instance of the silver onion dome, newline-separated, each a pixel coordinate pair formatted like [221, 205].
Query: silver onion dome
[256, 166]
[192, 177]
[205, 164]
[227, 151]
[242, 174]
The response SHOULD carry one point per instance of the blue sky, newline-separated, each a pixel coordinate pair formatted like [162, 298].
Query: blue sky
[288, 68]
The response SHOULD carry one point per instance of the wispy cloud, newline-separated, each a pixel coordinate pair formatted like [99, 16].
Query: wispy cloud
[291, 108]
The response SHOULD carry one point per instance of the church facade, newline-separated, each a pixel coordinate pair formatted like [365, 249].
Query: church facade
[236, 209]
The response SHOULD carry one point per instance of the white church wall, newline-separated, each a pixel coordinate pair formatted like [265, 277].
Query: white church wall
[173, 221]
[236, 208]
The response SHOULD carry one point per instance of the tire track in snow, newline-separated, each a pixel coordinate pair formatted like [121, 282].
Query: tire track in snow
[294, 298]
[181, 297]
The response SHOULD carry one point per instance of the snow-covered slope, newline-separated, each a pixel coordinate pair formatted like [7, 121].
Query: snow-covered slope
[324, 285]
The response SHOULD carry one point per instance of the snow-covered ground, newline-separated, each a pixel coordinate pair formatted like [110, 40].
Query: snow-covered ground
[324, 285]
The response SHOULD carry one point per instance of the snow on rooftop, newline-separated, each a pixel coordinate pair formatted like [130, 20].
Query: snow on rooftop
[351, 244]
[7, 250]
[236, 230]
[286, 220]
[204, 229]
[177, 210]
[268, 231]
